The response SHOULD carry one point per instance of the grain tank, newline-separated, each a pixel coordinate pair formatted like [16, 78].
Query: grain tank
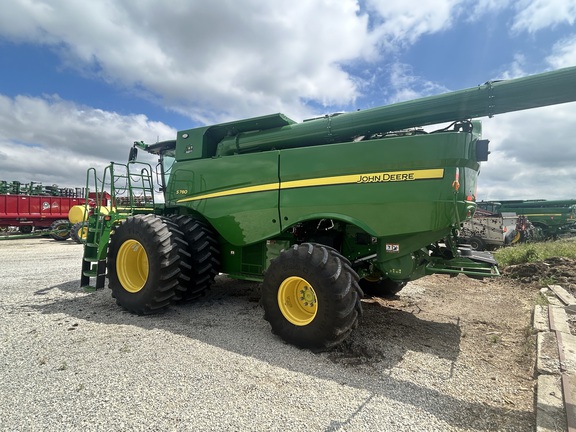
[317, 211]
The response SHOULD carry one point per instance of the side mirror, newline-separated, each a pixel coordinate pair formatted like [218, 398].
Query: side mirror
[133, 154]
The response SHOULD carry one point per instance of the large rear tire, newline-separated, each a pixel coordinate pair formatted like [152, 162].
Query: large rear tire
[144, 264]
[60, 230]
[311, 297]
[374, 285]
[203, 263]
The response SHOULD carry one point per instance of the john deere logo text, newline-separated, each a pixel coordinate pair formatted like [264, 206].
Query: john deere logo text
[385, 177]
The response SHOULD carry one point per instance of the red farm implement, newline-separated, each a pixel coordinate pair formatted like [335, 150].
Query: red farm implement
[32, 209]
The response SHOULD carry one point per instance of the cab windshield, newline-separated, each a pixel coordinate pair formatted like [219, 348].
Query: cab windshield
[167, 161]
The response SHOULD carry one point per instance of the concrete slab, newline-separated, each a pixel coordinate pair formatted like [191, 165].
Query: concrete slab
[567, 353]
[558, 319]
[550, 414]
[540, 320]
[547, 361]
[554, 301]
[569, 388]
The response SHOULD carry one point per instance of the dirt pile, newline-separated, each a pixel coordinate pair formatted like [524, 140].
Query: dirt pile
[552, 271]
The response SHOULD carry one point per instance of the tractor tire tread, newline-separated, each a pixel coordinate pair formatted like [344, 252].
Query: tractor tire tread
[163, 246]
[203, 258]
[336, 287]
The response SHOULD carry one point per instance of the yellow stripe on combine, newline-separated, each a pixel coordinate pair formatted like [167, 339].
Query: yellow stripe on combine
[238, 191]
[379, 177]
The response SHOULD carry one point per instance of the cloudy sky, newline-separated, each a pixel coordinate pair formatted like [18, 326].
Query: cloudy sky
[81, 80]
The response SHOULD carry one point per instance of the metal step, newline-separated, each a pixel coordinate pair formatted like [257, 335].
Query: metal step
[479, 256]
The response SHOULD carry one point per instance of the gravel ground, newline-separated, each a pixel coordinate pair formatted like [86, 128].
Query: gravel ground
[71, 360]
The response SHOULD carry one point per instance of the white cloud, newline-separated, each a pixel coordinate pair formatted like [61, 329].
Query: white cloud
[533, 154]
[407, 86]
[481, 7]
[535, 15]
[218, 61]
[405, 21]
[211, 61]
[563, 53]
[58, 141]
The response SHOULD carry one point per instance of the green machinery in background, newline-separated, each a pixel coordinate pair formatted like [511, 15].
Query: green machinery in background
[317, 210]
[552, 217]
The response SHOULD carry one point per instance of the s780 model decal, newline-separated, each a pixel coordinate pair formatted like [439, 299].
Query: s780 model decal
[362, 178]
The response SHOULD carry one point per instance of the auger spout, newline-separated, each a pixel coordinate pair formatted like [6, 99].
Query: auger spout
[493, 97]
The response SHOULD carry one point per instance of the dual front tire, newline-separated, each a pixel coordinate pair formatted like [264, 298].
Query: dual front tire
[153, 263]
[143, 264]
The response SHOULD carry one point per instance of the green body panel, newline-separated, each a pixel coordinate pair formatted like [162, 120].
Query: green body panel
[239, 217]
[400, 191]
[250, 198]
[379, 201]
[250, 262]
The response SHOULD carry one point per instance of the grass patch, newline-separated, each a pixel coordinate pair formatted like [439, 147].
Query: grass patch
[535, 252]
[495, 338]
[530, 342]
[541, 299]
[548, 280]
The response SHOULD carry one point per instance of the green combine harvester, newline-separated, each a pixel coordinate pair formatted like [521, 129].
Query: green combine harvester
[553, 218]
[317, 211]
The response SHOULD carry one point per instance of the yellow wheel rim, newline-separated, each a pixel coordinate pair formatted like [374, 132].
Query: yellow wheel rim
[62, 231]
[516, 238]
[83, 233]
[297, 301]
[132, 266]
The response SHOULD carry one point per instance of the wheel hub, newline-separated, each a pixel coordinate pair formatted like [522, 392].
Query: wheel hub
[297, 301]
[132, 266]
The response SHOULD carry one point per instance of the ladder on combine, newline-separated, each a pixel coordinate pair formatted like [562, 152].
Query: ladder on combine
[131, 192]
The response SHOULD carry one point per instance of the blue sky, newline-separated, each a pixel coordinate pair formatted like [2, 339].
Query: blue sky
[80, 81]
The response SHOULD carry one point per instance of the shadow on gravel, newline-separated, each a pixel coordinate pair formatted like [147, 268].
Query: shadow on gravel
[229, 317]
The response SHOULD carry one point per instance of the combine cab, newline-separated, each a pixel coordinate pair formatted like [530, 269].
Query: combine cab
[317, 211]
